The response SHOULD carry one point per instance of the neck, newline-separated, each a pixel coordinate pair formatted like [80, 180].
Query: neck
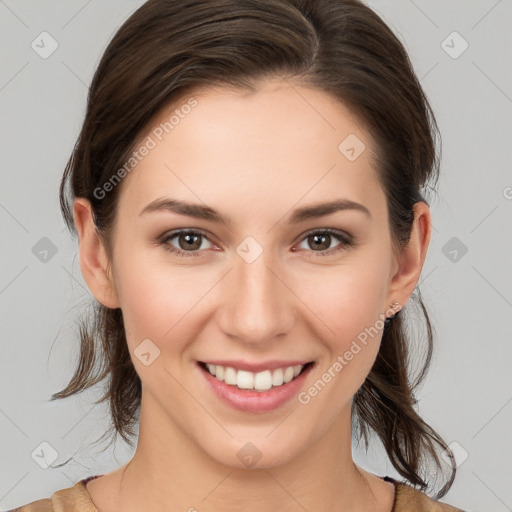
[168, 467]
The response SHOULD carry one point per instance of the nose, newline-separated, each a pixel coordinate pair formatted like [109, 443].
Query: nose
[258, 305]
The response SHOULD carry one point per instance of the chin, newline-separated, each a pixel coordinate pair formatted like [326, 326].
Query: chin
[256, 452]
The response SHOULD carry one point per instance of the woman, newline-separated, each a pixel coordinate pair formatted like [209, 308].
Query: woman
[247, 194]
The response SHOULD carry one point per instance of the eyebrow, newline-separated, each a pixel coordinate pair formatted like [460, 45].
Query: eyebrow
[204, 212]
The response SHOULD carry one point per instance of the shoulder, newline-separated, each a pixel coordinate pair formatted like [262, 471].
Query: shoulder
[72, 499]
[408, 498]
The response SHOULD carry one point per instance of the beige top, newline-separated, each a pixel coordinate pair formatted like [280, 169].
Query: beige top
[77, 499]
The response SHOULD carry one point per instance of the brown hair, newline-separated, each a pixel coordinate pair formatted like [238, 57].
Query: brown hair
[338, 46]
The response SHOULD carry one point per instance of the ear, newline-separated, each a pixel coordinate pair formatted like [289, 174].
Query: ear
[93, 256]
[411, 257]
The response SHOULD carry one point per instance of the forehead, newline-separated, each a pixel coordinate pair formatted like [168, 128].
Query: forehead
[282, 142]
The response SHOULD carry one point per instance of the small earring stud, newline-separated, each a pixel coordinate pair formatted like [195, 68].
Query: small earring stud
[392, 306]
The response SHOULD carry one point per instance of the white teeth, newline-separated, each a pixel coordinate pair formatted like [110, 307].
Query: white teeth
[245, 380]
[277, 377]
[230, 376]
[288, 374]
[260, 381]
[263, 380]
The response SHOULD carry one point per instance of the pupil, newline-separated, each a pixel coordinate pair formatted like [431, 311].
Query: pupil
[190, 239]
[318, 239]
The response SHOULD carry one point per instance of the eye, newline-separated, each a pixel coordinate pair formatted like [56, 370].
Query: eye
[190, 240]
[322, 240]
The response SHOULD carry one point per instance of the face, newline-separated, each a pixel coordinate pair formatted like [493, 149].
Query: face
[268, 287]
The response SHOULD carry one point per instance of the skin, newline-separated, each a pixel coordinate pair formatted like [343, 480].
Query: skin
[278, 149]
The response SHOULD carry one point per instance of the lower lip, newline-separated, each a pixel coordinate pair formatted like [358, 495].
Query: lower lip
[256, 401]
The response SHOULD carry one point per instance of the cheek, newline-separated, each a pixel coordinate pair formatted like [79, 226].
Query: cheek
[348, 312]
[160, 299]
[348, 298]
[347, 302]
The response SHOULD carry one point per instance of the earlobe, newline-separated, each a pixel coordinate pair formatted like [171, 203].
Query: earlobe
[412, 256]
[94, 262]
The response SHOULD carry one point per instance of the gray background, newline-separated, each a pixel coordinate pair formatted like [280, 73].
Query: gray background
[467, 396]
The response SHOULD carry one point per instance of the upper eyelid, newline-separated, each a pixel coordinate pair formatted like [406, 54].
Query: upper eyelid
[176, 232]
[331, 231]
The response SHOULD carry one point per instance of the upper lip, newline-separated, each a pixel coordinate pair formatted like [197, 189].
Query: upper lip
[257, 367]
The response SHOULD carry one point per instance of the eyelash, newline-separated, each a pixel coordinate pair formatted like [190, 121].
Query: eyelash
[345, 239]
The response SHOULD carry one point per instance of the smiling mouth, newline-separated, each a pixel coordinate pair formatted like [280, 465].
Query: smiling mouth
[255, 381]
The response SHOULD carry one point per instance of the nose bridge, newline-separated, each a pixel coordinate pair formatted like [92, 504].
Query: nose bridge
[258, 306]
